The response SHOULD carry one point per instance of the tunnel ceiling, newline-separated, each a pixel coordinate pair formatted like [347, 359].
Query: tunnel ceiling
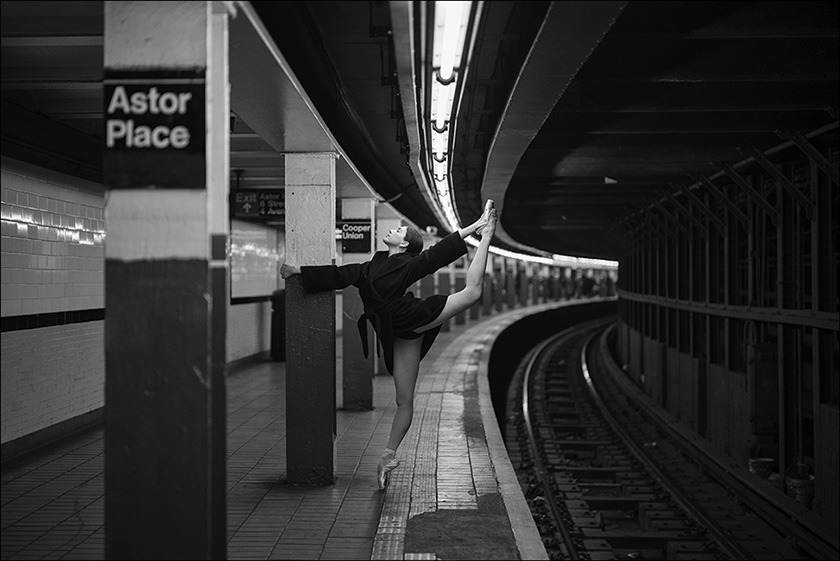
[673, 89]
[670, 90]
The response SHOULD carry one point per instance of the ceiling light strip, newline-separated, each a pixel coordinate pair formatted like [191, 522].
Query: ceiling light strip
[451, 23]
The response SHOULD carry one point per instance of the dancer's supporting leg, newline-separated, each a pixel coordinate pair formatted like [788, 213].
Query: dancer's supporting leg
[471, 293]
[406, 366]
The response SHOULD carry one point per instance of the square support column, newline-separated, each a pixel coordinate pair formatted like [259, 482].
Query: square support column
[498, 285]
[357, 371]
[310, 321]
[555, 284]
[510, 283]
[165, 279]
[524, 282]
[427, 286]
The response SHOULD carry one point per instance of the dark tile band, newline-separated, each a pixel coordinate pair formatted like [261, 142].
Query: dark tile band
[35, 321]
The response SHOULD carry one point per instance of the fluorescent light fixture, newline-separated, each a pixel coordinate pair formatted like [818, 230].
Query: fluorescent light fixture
[451, 20]
[442, 98]
[440, 170]
[440, 140]
[555, 260]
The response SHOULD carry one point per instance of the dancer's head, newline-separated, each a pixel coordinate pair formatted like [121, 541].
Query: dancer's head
[406, 238]
[414, 239]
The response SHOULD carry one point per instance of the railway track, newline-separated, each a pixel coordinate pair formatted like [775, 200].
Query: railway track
[605, 481]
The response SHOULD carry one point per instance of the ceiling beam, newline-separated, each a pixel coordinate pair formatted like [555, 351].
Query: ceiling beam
[569, 35]
[93, 84]
[697, 122]
[41, 41]
[745, 96]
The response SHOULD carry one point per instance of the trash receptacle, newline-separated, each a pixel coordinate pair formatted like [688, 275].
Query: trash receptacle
[278, 325]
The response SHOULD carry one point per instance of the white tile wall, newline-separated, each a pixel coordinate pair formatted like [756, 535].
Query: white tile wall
[50, 375]
[52, 261]
[248, 330]
[52, 242]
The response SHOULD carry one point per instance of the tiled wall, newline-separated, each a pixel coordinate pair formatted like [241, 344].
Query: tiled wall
[52, 242]
[50, 375]
[248, 330]
[52, 261]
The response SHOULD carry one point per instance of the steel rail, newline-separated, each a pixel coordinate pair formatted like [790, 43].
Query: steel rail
[771, 511]
[731, 548]
[532, 439]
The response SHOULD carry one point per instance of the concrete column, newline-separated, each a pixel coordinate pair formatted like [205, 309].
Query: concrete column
[487, 295]
[165, 279]
[510, 283]
[524, 281]
[546, 284]
[555, 284]
[310, 321]
[427, 286]
[357, 371]
[499, 284]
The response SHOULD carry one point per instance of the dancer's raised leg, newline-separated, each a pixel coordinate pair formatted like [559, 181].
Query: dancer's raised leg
[471, 293]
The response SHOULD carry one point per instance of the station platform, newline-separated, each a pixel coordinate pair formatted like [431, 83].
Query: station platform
[454, 495]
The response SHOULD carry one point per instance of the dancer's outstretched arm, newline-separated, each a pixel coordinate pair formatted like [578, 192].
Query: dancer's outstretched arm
[318, 278]
[448, 249]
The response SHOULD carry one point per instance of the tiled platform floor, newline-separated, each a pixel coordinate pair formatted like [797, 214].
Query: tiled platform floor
[444, 501]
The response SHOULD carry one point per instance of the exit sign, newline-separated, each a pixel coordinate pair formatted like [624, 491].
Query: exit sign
[258, 203]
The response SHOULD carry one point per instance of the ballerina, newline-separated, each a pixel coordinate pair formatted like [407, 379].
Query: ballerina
[407, 326]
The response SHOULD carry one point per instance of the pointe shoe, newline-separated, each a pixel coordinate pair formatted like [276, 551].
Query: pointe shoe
[383, 472]
[486, 215]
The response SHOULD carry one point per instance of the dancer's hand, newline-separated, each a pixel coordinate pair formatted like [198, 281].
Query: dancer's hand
[288, 270]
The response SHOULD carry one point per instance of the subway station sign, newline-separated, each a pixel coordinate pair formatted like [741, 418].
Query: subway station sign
[154, 129]
[356, 236]
[268, 204]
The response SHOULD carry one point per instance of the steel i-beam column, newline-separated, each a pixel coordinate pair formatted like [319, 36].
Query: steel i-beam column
[786, 238]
